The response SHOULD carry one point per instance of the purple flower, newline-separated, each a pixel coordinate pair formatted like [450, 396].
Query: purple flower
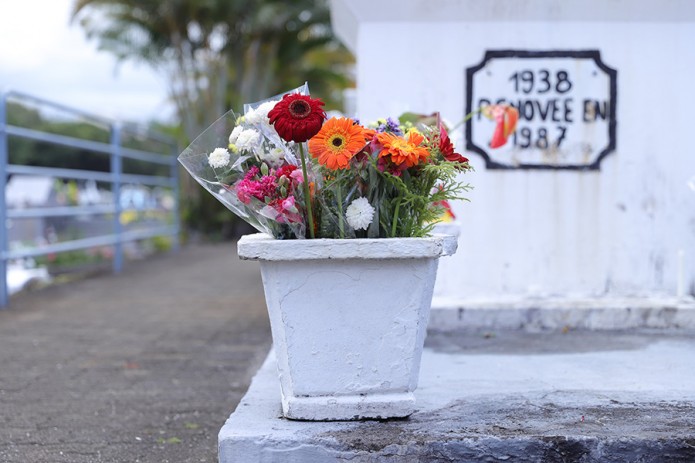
[390, 126]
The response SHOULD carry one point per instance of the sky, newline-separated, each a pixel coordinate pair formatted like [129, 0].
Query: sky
[44, 55]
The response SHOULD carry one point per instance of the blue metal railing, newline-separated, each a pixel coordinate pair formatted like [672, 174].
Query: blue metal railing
[116, 177]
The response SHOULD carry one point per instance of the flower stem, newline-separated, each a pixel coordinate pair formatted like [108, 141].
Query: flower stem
[307, 192]
[395, 219]
[465, 119]
[339, 200]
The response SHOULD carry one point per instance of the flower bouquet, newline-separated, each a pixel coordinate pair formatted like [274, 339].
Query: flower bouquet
[348, 316]
[291, 172]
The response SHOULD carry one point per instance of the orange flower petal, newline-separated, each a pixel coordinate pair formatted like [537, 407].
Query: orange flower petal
[506, 117]
[403, 151]
[511, 117]
[337, 142]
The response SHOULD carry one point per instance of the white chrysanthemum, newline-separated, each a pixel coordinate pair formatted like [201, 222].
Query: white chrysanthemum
[359, 214]
[272, 157]
[234, 136]
[260, 114]
[248, 139]
[218, 158]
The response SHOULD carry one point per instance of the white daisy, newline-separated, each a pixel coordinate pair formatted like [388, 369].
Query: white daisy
[218, 158]
[234, 136]
[248, 139]
[359, 214]
[260, 114]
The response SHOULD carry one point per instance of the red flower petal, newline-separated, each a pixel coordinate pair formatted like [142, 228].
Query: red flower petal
[297, 117]
[447, 148]
[498, 138]
[506, 117]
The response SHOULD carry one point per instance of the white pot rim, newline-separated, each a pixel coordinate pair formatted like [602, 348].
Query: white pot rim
[261, 246]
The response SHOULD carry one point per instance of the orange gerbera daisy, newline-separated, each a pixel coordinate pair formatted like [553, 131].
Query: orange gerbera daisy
[337, 142]
[403, 151]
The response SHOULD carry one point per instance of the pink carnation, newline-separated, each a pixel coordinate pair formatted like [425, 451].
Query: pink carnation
[250, 187]
[297, 176]
[287, 210]
[292, 173]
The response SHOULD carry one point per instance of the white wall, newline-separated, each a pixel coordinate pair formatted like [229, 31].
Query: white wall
[613, 232]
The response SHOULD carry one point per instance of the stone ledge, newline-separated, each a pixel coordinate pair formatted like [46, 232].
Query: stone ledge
[261, 246]
[520, 397]
[538, 314]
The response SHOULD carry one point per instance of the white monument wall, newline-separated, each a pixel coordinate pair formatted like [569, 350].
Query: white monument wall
[612, 232]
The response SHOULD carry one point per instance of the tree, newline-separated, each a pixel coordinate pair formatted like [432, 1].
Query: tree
[218, 54]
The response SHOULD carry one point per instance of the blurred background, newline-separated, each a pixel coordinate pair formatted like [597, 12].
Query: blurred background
[100, 96]
[143, 77]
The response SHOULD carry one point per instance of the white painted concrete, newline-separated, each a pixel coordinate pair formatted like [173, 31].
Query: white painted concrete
[348, 319]
[535, 315]
[263, 247]
[510, 395]
[614, 233]
[444, 279]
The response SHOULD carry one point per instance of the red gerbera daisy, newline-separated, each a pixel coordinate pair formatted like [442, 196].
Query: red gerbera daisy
[297, 117]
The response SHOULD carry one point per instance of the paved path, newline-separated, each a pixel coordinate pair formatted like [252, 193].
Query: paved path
[140, 367]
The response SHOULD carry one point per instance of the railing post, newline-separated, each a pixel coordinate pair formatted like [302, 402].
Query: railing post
[177, 199]
[4, 296]
[116, 170]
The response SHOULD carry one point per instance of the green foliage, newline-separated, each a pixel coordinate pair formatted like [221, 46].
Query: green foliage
[38, 153]
[406, 205]
[217, 55]
[221, 53]
[411, 201]
[22, 151]
[71, 259]
[161, 243]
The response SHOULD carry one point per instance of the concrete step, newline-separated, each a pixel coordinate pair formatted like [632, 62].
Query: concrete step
[513, 396]
[553, 313]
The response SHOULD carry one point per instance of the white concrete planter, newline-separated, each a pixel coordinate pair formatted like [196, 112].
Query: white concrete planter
[447, 277]
[348, 319]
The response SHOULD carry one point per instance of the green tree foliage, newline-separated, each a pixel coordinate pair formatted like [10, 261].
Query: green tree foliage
[22, 151]
[38, 153]
[218, 54]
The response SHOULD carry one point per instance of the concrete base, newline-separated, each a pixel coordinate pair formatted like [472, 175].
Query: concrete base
[512, 396]
[349, 407]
